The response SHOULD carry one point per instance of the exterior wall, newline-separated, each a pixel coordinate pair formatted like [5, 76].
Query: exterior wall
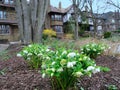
[10, 20]
[15, 35]
[56, 23]
[11, 15]
[12, 36]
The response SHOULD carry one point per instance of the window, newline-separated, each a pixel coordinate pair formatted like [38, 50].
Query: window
[99, 28]
[99, 21]
[56, 17]
[113, 20]
[4, 29]
[52, 17]
[11, 2]
[3, 14]
[8, 1]
[90, 21]
[58, 28]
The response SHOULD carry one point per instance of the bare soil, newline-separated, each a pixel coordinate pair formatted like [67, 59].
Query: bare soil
[18, 76]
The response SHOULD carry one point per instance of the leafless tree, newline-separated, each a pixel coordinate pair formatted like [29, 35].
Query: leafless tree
[31, 16]
[113, 3]
[95, 15]
[77, 7]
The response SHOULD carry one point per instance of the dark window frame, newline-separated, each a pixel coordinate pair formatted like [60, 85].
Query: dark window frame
[5, 29]
[56, 17]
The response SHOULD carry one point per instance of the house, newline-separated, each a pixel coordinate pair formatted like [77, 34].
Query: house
[112, 21]
[55, 18]
[8, 23]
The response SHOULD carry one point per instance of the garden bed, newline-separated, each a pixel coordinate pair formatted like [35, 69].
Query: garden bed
[18, 76]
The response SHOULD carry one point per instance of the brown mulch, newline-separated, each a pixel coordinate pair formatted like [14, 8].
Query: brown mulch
[19, 77]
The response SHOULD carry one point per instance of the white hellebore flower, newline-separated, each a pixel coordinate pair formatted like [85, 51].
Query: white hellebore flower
[64, 52]
[53, 69]
[25, 51]
[103, 48]
[60, 70]
[53, 63]
[29, 45]
[48, 58]
[28, 58]
[82, 49]
[72, 54]
[94, 49]
[71, 64]
[40, 54]
[96, 70]
[87, 45]
[109, 47]
[88, 49]
[19, 55]
[98, 53]
[43, 75]
[29, 54]
[47, 50]
[85, 57]
[43, 66]
[78, 74]
[90, 68]
[74, 62]
[52, 74]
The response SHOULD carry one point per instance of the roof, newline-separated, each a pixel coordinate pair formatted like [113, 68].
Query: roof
[60, 10]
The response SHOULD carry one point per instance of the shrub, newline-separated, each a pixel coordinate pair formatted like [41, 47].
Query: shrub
[93, 50]
[33, 54]
[67, 27]
[107, 34]
[65, 66]
[69, 36]
[49, 33]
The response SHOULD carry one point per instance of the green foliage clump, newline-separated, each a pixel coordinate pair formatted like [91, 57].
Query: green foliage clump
[33, 54]
[4, 55]
[93, 50]
[63, 66]
[2, 72]
[107, 34]
[112, 87]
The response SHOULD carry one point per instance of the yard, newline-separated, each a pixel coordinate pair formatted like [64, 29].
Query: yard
[15, 73]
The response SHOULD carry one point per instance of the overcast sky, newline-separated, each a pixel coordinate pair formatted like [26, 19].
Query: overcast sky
[100, 3]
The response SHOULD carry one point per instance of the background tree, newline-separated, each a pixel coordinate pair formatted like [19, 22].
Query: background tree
[95, 14]
[77, 8]
[113, 3]
[31, 16]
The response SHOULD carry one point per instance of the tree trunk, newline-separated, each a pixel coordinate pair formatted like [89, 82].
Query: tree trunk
[31, 17]
[75, 7]
[20, 20]
[42, 6]
[26, 22]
